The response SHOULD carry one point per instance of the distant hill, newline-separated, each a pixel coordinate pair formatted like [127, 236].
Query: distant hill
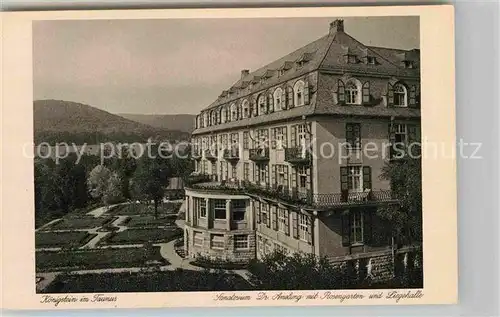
[180, 122]
[66, 121]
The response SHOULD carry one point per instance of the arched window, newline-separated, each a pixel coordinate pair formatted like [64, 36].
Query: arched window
[223, 114]
[246, 109]
[262, 104]
[400, 95]
[298, 93]
[277, 99]
[352, 92]
[205, 119]
[234, 112]
[213, 117]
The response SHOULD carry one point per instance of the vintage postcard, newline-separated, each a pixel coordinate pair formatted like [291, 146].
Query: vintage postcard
[228, 157]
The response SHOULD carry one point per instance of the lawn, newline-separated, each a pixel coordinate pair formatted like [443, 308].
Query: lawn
[62, 239]
[138, 236]
[140, 209]
[83, 222]
[98, 258]
[166, 281]
[145, 221]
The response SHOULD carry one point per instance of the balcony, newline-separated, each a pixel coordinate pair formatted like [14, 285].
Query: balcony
[232, 155]
[196, 154]
[259, 155]
[298, 155]
[211, 154]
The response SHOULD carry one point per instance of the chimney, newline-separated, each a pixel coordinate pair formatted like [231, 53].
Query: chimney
[337, 26]
[244, 73]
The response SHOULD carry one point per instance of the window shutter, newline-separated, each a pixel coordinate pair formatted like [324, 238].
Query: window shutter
[308, 173]
[413, 93]
[349, 133]
[275, 218]
[268, 224]
[340, 92]
[412, 133]
[267, 174]
[290, 97]
[256, 173]
[286, 176]
[287, 222]
[293, 136]
[346, 230]
[344, 182]
[295, 225]
[284, 103]
[367, 226]
[392, 133]
[367, 177]
[273, 174]
[306, 92]
[257, 209]
[390, 95]
[266, 136]
[309, 230]
[366, 92]
[285, 136]
[270, 103]
[294, 178]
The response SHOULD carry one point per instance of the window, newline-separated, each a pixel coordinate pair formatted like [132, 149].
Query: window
[224, 141]
[233, 171]
[262, 105]
[264, 213]
[408, 64]
[351, 93]
[279, 138]
[239, 208]
[214, 168]
[262, 138]
[219, 208]
[298, 90]
[303, 227]
[356, 227]
[234, 112]
[214, 117]
[260, 245]
[353, 135]
[302, 177]
[263, 174]
[217, 241]
[198, 238]
[200, 206]
[371, 60]
[246, 139]
[282, 219]
[246, 109]
[205, 167]
[400, 95]
[355, 178]
[277, 99]
[241, 241]
[268, 248]
[278, 247]
[281, 175]
[400, 135]
[246, 171]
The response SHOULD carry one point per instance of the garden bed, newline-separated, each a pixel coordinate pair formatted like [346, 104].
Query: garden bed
[143, 209]
[146, 221]
[166, 281]
[62, 239]
[205, 262]
[83, 222]
[98, 258]
[139, 236]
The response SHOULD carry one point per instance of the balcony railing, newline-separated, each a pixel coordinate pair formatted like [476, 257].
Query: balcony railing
[298, 155]
[232, 154]
[196, 154]
[259, 154]
[294, 195]
[211, 154]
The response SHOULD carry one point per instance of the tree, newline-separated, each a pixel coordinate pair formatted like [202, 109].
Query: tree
[98, 181]
[113, 191]
[405, 218]
[150, 179]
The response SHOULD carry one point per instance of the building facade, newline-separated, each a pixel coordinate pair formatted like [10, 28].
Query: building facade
[290, 157]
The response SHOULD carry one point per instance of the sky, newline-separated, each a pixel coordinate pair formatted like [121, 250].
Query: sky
[177, 66]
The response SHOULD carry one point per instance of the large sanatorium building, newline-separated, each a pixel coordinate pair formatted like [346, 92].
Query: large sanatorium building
[281, 152]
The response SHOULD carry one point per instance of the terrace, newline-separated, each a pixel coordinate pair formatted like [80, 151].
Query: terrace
[259, 154]
[298, 196]
[232, 154]
[298, 155]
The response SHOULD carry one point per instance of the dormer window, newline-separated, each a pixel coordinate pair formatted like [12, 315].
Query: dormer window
[350, 59]
[408, 64]
[281, 72]
[371, 60]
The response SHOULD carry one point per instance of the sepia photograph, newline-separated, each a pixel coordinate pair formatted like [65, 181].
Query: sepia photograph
[237, 154]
